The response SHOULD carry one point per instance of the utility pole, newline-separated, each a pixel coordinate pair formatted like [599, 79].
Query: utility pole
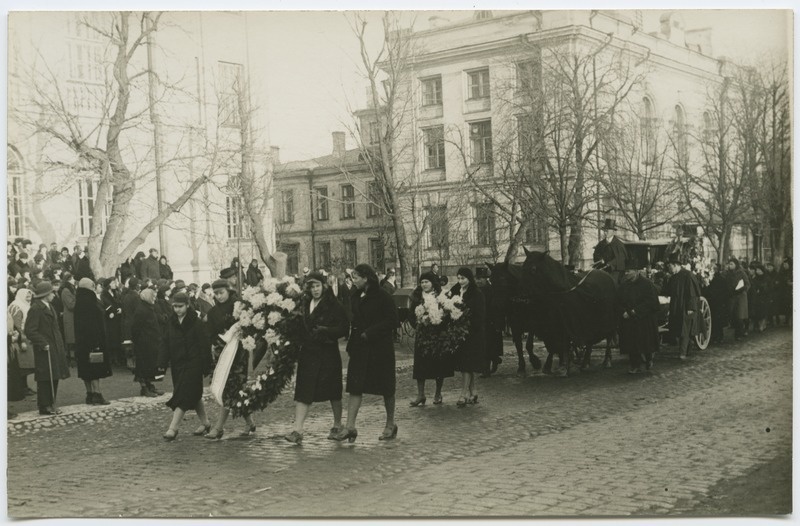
[155, 118]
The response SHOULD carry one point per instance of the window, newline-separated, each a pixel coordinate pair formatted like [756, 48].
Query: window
[709, 129]
[528, 77]
[349, 253]
[82, 98]
[484, 224]
[348, 201]
[86, 62]
[679, 137]
[375, 204]
[483, 15]
[324, 254]
[15, 203]
[87, 195]
[287, 206]
[480, 136]
[438, 229]
[237, 218]
[433, 140]
[648, 130]
[292, 251]
[376, 253]
[372, 133]
[81, 25]
[478, 84]
[230, 76]
[321, 193]
[536, 232]
[432, 91]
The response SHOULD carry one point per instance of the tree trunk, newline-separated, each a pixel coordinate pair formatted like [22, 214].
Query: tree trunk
[575, 244]
[514, 243]
[562, 235]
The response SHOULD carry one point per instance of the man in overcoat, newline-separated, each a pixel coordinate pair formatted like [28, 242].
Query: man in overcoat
[495, 321]
[610, 252]
[637, 308]
[49, 353]
[683, 290]
[150, 266]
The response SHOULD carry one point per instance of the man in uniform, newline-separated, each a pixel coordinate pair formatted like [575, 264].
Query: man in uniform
[610, 254]
[684, 304]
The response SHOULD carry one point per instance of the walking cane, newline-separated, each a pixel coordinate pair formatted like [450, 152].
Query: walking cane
[52, 386]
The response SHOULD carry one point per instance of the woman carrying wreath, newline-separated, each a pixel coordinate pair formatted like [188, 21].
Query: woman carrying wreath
[371, 369]
[470, 355]
[319, 365]
[220, 319]
[428, 366]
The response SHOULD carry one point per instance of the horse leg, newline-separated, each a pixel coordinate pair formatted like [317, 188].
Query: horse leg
[563, 359]
[607, 359]
[516, 335]
[587, 357]
[535, 361]
[548, 363]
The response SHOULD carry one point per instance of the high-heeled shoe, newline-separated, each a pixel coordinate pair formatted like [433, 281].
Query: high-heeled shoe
[173, 436]
[461, 402]
[437, 399]
[347, 434]
[250, 431]
[215, 436]
[389, 436]
[418, 402]
[202, 430]
[294, 437]
[473, 400]
[334, 431]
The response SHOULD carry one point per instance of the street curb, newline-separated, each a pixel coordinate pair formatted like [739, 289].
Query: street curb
[32, 421]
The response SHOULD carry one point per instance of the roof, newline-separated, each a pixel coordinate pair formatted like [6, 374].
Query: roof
[351, 157]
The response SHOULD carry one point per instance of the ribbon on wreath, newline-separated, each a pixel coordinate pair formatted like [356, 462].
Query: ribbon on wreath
[231, 338]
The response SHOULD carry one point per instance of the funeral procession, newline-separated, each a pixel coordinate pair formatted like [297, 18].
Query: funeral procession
[468, 264]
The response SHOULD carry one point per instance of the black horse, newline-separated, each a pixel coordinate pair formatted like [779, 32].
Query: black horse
[517, 309]
[571, 311]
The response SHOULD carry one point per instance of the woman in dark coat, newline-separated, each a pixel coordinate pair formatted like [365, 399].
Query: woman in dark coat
[718, 298]
[147, 339]
[760, 305]
[254, 275]
[319, 366]
[471, 355]
[67, 295]
[164, 270]
[371, 369]
[187, 352]
[427, 367]
[784, 292]
[162, 306]
[138, 261]
[637, 309]
[90, 335]
[738, 307]
[49, 352]
[112, 309]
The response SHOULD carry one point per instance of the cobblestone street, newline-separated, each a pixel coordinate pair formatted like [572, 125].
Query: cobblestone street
[600, 443]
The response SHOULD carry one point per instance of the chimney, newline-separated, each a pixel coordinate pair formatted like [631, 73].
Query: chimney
[275, 153]
[672, 28]
[338, 144]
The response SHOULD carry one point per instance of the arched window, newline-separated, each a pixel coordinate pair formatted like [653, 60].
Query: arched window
[709, 129]
[648, 128]
[16, 194]
[679, 136]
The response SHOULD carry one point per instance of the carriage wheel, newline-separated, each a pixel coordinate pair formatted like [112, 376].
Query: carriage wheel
[704, 337]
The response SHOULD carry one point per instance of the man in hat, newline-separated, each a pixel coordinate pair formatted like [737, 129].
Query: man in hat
[638, 308]
[684, 304]
[229, 274]
[49, 354]
[389, 283]
[610, 254]
[495, 321]
[150, 267]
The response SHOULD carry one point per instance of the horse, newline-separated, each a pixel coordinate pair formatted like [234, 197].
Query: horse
[517, 310]
[573, 311]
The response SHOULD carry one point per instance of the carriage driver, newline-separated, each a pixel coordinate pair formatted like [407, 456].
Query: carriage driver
[610, 254]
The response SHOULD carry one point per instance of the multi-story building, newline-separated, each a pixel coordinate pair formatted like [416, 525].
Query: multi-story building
[176, 121]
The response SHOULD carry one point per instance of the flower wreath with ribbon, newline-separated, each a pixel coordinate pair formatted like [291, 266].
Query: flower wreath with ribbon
[442, 324]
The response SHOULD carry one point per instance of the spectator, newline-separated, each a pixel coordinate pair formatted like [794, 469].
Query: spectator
[150, 266]
[495, 323]
[229, 274]
[719, 302]
[112, 310]
[138, 264]
[20, 267]
[129, 301]
[738, 287]
[205, 300]
[637, 311]
[82, 267]
[784, 295]
[147, 341]
[164, 270]
[53, 254]
[18, 311]
[684, 308]
[125, 270]
[162, 307]
[91, 338]
[67, 295]
[470, 355]
[187, 352]
[41, 329]
[65, 261]
[254, 275]
[761, 302]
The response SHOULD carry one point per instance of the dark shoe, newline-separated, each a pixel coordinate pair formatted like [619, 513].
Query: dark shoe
[437, 399]
[171, 435]
[334, 431]
[461, 402]
[29, 392]
[294, 437]
[46, 411]
[418, 402]
[202, 430]
[215, 436]
[389, 435]
[473, 400]
[147, 392]
[347, 434]
[155, 391]
[250, 431]
[99, 400]
[89, 398]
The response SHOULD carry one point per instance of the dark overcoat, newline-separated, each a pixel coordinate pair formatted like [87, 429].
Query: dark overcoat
[41, 328]
[254, 276]
[471, 355]
[220, 319]
[612, 254]
[319, 364]
[684, 295]
[187, 352]
[130, 303]
[67, 295]
[83, 269]
[90, 336]
[112, 310]
[147, 341]
[762, 297]
[371, 368]
[427, 367]
[718, 297]
[639, 332]
[738, 306]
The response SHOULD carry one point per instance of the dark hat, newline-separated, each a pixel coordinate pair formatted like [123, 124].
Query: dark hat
[42, 289]
[66, 275]
[21, 282]
[221, 284]
[570, 267]
[205, 286]
[107, 282]
[160, 282]
[674, 259]
[179, 284]
[18, 240]
[433, 278]
[227, 273]
[38, 257]
[610, 224]
[23, 255]
[315, 276]
[180, 297]
[482, 272]
[133, 284]
[192, 286]
[443, 280]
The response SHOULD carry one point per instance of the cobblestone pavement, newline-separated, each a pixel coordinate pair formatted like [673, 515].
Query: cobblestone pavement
[602, 443]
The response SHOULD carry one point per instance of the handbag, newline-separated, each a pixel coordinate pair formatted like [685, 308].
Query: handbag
[96, 356]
